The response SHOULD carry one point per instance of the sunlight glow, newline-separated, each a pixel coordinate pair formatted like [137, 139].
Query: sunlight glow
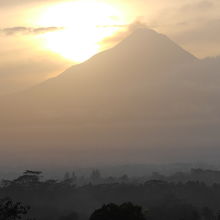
[84, 25]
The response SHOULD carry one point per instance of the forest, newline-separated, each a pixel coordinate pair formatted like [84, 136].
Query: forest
[181, 196]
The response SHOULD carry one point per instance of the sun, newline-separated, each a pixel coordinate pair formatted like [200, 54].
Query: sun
[84, 24]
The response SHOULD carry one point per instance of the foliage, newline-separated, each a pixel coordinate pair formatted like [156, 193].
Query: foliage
[66, 200]
[126, 211]
[12, 211]
[71, 216]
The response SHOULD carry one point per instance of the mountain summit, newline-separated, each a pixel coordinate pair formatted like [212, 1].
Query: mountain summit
[146, 43]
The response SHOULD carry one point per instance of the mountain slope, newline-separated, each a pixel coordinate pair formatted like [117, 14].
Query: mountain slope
[135, 64]
[145, 96]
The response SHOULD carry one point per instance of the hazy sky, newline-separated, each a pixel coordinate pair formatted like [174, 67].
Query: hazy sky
[71, 116]
[40, 38]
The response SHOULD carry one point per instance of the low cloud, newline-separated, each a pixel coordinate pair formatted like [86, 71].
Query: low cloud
[113, 25]
[14, 3]
[28, 30]
[124, 33]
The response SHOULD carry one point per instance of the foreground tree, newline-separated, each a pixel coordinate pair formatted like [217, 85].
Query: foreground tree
[126, 211]
[71, 216]
[12, 211]
[207, 214]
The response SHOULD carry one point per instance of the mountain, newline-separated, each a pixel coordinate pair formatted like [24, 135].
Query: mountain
[141, 100]
[125, 71]
[141, 56]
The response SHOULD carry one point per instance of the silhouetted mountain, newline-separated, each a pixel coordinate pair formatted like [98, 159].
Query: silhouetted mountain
[122, 75]
[142, 57]
[135, 101]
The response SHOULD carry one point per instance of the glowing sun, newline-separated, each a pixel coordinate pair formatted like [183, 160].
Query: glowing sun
[84, 23]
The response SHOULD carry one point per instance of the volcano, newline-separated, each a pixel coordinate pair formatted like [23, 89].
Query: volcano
[143, 97]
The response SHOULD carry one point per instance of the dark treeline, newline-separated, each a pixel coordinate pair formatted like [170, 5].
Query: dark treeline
[160, 198]
[202, 175]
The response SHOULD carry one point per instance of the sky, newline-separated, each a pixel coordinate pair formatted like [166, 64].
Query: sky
[41, 38]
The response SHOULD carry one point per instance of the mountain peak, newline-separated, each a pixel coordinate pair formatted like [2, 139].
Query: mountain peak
[143, 36]
[150, 40]
[143, 32]
[148, 46]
